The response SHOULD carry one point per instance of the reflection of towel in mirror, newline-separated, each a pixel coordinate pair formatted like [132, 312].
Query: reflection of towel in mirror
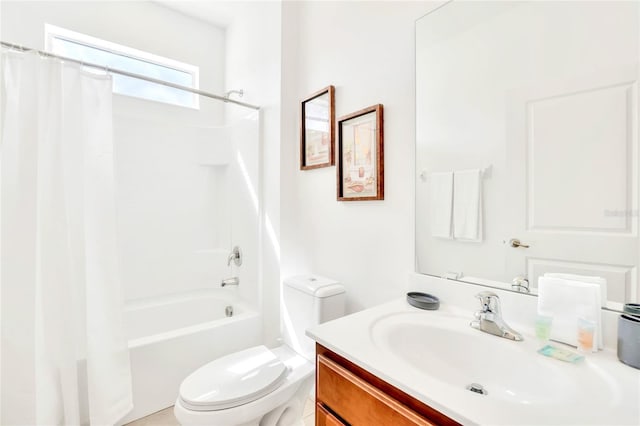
[467, 205]
[566, 301]
[441, 198]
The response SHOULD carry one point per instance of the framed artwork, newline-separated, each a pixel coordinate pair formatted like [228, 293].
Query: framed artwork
[317, 131]
[361, 155]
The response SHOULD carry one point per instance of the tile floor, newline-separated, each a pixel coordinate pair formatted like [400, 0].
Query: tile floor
[166, 418]
[161, 418]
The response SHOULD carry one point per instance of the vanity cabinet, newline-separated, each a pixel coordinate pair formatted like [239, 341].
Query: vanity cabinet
[346, 394]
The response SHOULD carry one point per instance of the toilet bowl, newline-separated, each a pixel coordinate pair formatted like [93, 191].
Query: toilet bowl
[266, 396]
[259, 386]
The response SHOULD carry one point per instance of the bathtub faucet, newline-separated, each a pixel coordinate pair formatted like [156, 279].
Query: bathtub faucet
[235, 256]
[230, 281]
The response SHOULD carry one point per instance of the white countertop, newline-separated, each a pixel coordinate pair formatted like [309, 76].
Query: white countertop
[617, 403]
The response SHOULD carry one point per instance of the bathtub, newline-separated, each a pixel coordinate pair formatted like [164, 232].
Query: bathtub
[171, 336]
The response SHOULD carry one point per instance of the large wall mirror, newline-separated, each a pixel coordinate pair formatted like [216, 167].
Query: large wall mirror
[527, 143]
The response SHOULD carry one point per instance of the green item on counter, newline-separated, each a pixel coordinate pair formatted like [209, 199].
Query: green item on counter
[560, 353]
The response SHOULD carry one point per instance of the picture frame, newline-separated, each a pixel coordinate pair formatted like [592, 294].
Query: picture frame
[360, 171]
[317, 130]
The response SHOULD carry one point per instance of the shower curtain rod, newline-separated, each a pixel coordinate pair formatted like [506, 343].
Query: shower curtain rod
[129, 74]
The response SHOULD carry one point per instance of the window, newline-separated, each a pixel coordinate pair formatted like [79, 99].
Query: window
[90, 49]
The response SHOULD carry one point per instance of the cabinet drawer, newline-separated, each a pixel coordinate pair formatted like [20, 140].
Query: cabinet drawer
[358, 402]
[325, 418]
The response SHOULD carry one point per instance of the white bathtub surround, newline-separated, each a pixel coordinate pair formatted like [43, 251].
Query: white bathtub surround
[61, 294]
[433, 355]
[187, 194]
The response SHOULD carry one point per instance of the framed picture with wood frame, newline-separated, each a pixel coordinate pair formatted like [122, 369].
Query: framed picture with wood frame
[360, 171]
[317, 130]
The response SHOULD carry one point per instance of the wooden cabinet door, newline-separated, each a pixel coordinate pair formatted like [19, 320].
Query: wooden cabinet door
[325, 418]
[358, 402]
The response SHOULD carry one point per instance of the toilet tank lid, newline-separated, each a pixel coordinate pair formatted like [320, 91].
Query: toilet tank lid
[315, 285]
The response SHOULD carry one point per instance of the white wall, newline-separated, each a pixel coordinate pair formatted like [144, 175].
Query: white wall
[366, 50]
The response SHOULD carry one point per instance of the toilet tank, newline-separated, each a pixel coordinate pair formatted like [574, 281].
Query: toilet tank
[309, 300]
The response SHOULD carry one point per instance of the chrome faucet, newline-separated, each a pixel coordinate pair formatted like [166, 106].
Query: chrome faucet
[489, 317]
[230, 281]
[521, 284]
[235, 256]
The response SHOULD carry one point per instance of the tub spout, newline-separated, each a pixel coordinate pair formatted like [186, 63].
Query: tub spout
[230, 281]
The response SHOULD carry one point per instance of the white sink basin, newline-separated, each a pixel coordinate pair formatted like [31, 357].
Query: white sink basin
[444, 347]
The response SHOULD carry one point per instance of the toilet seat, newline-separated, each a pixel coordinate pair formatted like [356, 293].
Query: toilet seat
[292, 392]
[233, 380]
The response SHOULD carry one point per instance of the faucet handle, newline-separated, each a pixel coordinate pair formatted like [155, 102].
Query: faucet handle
[486, 295]
[489, 301]
[521, 284]
[235, 256]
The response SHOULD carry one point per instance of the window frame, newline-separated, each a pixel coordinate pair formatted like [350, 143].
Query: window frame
[52, 32]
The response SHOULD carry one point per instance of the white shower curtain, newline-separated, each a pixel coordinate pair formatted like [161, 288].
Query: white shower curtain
[63, 355]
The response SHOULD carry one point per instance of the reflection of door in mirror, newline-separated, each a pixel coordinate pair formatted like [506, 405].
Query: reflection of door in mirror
[571, 180]
[545, 92]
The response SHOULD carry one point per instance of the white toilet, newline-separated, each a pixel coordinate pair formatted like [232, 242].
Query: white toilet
[260, 386]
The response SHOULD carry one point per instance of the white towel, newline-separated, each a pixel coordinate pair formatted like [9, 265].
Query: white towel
[467, 205]
[602, 282]
[566, 301]
[441, 199]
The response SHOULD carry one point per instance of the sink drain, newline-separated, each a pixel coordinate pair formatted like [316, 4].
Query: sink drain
[477, 388]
